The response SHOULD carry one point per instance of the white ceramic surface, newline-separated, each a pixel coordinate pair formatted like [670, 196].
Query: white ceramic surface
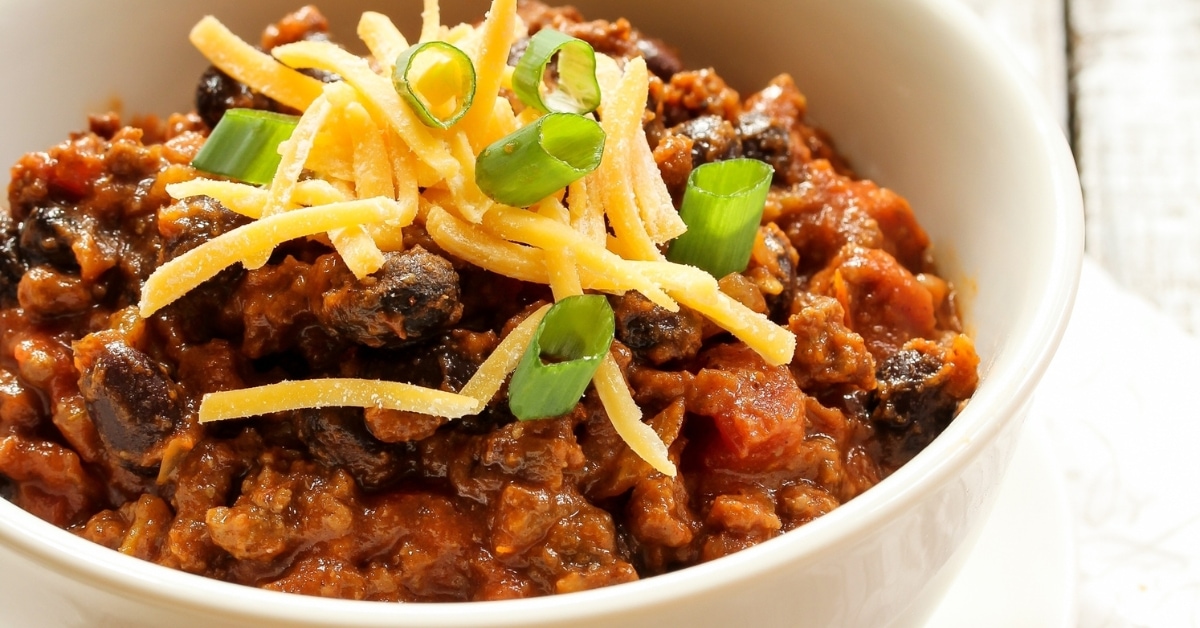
[1023, 570]
[915, 94]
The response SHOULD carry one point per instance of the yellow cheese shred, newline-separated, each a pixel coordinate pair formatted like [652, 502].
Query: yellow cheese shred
[331, 392]
[431, 21]
[293, 153]
[539, 231]
[472, 244]
[383, 39]
[622, 122]
[184, 273]
[247, 200]
[497, 35]
[626, 417]
[699, 290]
[488, 379]
[253, 67]
[378, 93]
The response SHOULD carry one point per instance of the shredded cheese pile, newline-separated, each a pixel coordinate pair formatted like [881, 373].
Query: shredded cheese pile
[360, 166]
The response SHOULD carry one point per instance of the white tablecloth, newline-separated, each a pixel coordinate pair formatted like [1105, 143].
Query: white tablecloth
[1125, 430]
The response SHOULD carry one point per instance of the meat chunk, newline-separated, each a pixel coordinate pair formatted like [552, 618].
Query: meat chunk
[414, 295]
[131, 399]
[673, 155]
[884, 302]
[51, 481]
[827, 352]
[689, 95]
[304, 24]
[617, 39]
[757, 409]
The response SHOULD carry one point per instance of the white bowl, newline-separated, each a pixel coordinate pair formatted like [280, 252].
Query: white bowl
[916, 95]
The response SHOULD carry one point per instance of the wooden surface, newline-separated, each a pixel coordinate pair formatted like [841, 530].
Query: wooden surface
[1124, 76]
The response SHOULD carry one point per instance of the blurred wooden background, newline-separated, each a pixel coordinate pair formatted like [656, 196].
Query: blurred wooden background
[1124, 77]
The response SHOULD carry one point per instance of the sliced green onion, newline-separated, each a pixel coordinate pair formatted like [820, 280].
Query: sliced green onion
[245, 145]
[722, 207]
[534, 161]
[562, 357]
[578, 91]
[437, 80]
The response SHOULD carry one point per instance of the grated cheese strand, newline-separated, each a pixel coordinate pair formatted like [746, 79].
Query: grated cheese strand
[332, 154]
[431, 21]
[184, 273]
[497, 35]
[622, 120]
[473, 244]
[698, 290]
[564, 276]
[490, 376]
[383, 39]
[293, 152]
[241, 198]
[253, 67]
[560, 262]
[530, 228]
[626, 417]
[323, 393]
[471, 202]
[379, 95]
[372, 178]
[587, 216]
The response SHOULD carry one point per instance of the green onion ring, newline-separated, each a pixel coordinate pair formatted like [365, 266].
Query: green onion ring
[722, 207]
[575, 335]
[245, 145]
[578, 92]
[455, 72]
[534, 161]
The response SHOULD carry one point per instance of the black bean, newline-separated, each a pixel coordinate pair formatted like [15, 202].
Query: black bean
[11, 266]
[654, 333]
[414, 295]
[766, 139]
[713, 137]
[132, 401]
[47, 235]
[337, 437]
[910, 406]
[661, 59]
[217, 93]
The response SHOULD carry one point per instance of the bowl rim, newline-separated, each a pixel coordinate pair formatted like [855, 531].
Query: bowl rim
[941, 461]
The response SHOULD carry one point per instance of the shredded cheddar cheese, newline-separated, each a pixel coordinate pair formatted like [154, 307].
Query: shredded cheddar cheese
[253, 67]
[488, 379]
[322, 393]
[361, 166]
[181, 275]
